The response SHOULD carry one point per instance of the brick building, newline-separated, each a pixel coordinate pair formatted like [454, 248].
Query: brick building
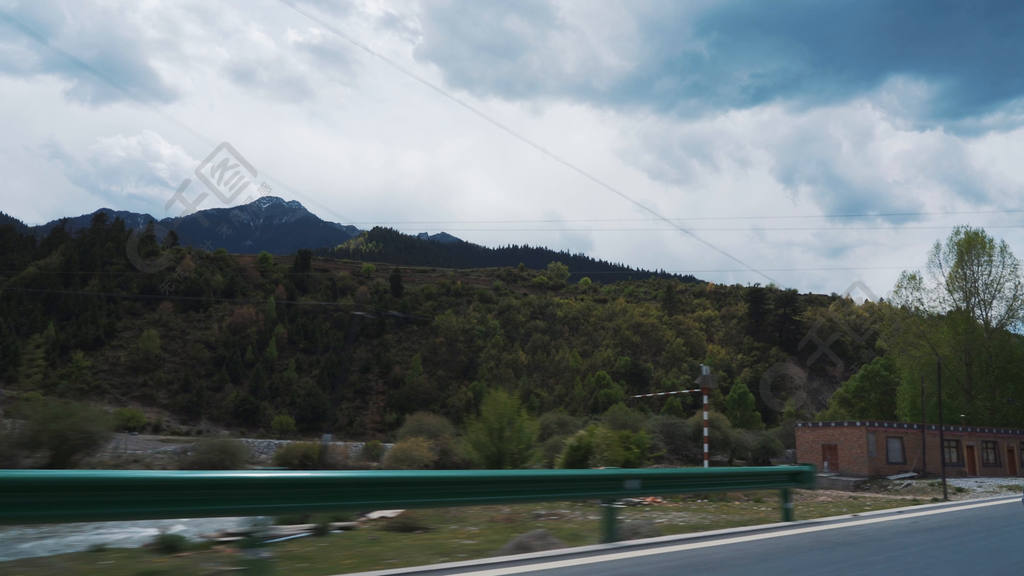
[862, 448]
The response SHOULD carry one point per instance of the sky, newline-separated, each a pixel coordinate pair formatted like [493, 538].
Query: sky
[807, 143]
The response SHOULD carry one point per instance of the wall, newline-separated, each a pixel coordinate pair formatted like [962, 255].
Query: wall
[850, 440]
[853, 439]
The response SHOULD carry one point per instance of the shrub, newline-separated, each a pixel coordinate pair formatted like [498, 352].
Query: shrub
[619, 417]
[411, 454]
[579, 450]
[298, 456]
[762, 446]
[367, 270]
[372, 451]
[149, 345]
[441, 434]
[283, 425]
[66, 431]
[322, 529]
[672, 439]
[129, 419]
[217, 454]
[551, 449]
[503, 436]
[169, 543]
[585, 282]
[554, 424]
[426, 425]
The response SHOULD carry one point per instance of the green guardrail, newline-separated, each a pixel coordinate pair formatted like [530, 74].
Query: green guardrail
[56, 496]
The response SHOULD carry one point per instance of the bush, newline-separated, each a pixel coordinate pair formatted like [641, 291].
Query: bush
[554, 424]
[217, 454]
[411, 454]
[761, 447]
[283, 425]
[372, 451]
[579, 450]
[503, 436]
[129, 419]
[367, 270]
[298, 456]
[672, 439]
[149, 345]
[619, 417]
[66, 431]
[441, 434]
[169, 543]
[601, 447]
[426, 425]
[551, 449]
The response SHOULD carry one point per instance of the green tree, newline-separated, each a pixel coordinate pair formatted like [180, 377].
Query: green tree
[503, 436]
[367, 270]
[557, 271]
[870, 394]
[585, 282]
[34, 364]
[65, 431]
[149, 345]
[673, 407]
[129, 420]
[283, 425]
[395, 279]
[271, 353]
[741, 409]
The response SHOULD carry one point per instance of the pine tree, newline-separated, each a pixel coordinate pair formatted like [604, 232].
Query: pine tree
[741, 409]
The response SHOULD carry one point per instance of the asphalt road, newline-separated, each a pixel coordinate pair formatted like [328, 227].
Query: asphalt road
[932, 541]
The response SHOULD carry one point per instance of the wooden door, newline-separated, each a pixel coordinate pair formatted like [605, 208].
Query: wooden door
[1011, 461]
[830, 458]
[972, 461]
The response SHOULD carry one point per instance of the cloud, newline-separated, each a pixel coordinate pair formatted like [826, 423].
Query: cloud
[691, 58]
[103, 38]
[142, 167]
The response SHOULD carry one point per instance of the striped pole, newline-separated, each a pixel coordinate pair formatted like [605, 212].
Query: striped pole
[704, 391]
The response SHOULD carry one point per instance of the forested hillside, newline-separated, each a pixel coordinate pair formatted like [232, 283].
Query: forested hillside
[237, 340]
[393, 247]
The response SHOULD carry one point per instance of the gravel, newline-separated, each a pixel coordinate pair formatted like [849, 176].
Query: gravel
[987, 486]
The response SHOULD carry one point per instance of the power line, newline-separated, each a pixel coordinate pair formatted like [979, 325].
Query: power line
[517, 135]
[744, 229]
[696, 218]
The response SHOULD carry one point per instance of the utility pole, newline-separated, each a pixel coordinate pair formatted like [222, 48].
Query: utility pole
[924, 451]
[706, 381]
[942, 437]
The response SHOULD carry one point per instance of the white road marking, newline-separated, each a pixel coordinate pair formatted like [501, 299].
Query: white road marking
[723, 542]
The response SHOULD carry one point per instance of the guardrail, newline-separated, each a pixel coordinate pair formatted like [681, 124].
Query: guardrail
[54, 496]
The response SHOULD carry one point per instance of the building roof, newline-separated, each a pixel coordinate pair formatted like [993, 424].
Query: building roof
[911, 426]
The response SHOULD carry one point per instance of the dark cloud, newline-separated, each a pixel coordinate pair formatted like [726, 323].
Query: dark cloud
[738, 53]
[97, 41]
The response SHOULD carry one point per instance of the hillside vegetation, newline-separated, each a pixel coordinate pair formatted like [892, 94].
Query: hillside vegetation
[356, 348]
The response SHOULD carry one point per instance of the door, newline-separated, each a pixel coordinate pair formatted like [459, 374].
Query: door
[1011, 461]
[972, 461]
[830, 458]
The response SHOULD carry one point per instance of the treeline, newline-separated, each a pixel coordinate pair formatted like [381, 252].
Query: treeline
[965, 313]
[393, 247]
[240, 341]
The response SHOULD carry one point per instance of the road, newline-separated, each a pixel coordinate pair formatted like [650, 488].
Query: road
[966, 538]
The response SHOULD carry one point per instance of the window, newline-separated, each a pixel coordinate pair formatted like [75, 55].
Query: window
[989, 453]
[894, 451]
[873, 449]
[1021, 452]
[951, 450]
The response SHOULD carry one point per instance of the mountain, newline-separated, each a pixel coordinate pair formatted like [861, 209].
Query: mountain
[268, 224]
[445, 251]
[18, 224]
[281, 227]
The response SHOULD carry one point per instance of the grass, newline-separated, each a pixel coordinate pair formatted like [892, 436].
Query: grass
[454, 534]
